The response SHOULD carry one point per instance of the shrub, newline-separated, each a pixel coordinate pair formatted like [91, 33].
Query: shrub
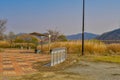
[24, 45]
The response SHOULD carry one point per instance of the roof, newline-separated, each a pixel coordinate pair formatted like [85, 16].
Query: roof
[37, 34]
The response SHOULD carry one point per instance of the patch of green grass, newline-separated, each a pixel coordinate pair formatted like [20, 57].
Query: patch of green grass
[112, 59]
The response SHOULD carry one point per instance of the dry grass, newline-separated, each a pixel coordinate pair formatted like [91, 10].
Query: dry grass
[94, 47]
[4, 44]
[71, 59]
[114, 48]
[53, 76]
[91, 47]
[7, 44]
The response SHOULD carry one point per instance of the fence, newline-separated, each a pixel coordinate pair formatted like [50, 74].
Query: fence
[58, 55]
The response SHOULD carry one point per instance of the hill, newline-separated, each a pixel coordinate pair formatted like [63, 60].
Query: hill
[79, 36]
[111, 35]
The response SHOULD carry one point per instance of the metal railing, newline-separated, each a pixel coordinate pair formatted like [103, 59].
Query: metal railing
[58, 55]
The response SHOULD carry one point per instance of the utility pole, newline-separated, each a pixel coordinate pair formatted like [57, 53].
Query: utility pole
[83, 24]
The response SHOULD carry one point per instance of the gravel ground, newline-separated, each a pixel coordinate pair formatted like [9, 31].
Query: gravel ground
[97, 70]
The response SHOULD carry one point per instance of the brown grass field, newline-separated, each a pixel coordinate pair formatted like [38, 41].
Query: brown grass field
[16, 64]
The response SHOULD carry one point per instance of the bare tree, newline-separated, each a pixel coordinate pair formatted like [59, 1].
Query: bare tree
[2, 28]
[54, 34]
[11, 35]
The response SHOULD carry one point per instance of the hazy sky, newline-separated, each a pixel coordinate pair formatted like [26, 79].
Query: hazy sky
[62, 15]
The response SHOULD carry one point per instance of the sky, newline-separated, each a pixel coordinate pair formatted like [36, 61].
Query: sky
[65, 16]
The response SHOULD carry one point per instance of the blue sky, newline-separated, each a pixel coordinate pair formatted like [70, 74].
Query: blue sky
[62, 15]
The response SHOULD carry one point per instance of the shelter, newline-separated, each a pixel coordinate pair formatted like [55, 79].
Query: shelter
[41, 41]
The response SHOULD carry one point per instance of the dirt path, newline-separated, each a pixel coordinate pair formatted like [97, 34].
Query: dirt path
[97, 70]
[15, 62]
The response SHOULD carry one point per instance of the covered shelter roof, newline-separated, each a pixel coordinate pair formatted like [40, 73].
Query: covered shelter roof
[38, 34]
